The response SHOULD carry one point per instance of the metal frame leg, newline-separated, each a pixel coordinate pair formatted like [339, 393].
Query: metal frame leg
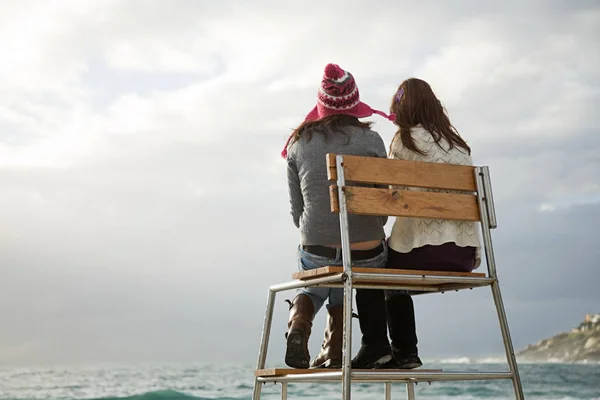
[347, 277]
[284, 387]
[388, 391]
[410, 390]
[486, 209]
[508, 346]
[264, 342]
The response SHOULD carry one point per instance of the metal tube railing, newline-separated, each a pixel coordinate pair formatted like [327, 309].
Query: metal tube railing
[347, 262]
[410, 390]
[264, 341]
[389, 376]
[284, 390]
[491, 262]
[489, 197]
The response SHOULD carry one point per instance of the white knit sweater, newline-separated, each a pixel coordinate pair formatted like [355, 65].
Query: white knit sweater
[410, 233]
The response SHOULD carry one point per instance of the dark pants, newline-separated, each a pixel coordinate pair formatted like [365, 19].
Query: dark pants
[400, 308]
[445, 257]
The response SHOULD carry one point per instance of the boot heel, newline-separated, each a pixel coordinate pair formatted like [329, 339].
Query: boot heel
[295, 355]
[369, 357]
[408, 362]
[386, 362]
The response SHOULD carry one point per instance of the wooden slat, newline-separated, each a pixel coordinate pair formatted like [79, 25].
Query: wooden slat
[334, 199]
[407, 203]
[317, 272]
[331, 168]
[404, 173]
[293, 371]
[325, 271]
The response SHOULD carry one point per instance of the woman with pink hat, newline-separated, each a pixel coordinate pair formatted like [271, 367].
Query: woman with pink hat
[333, 126]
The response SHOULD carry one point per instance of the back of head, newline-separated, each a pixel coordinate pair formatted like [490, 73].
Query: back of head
[331, 125]
[414, 103]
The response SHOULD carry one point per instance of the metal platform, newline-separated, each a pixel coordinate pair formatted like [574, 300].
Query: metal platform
[373, 375]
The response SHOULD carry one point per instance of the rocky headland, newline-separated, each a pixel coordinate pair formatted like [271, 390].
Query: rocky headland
[581, 344]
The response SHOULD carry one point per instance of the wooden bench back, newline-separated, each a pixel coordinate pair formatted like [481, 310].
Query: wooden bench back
[402, 202]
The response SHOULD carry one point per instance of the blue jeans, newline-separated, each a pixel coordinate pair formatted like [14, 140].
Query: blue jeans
[318, 295]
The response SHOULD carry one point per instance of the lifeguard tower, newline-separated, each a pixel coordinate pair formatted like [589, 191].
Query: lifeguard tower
[470, 200]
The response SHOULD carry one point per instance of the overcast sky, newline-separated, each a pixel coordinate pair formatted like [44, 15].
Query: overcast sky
[143, 203]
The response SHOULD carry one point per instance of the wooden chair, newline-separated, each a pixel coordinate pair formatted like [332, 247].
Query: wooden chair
[471, 200]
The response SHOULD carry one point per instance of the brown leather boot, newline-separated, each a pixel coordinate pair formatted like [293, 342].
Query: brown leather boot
[299, 327]
[331, 349]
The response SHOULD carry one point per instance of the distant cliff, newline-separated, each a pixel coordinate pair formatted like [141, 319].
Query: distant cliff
[580, 344]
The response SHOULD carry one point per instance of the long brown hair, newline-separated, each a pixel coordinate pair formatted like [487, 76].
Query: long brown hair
[415, 103]
[326, 126]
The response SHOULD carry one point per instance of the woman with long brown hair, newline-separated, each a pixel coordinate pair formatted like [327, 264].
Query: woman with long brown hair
[333, 126]
[424, 134]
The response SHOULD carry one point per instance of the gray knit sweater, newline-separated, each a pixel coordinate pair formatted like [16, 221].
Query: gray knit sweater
[309, 187]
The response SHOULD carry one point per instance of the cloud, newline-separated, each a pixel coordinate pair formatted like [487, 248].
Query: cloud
[142, 188]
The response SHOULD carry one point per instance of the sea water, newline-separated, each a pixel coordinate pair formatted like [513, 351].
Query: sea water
[235, 382]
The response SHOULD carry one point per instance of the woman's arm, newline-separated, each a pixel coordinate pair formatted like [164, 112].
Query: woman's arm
[296, 199]
[398, 151]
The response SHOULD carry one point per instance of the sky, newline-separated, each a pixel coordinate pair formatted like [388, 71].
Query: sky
[143, 201]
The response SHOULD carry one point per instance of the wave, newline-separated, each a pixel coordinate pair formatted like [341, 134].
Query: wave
[457, 360]
[165, 395]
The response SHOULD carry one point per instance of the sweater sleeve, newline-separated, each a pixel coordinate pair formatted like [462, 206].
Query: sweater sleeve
[399, 152]
[296, 199]
[379, 148]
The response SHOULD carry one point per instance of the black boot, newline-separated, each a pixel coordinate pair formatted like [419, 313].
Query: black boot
[375, 351]
[403, 332]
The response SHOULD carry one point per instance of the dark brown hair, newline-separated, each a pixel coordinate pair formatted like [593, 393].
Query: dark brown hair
[326, 126]
[415, 103]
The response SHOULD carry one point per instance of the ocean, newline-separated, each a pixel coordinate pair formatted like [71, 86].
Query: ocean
[235, 382]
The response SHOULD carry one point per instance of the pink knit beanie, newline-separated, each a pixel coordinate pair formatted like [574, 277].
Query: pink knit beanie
[338, 94]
